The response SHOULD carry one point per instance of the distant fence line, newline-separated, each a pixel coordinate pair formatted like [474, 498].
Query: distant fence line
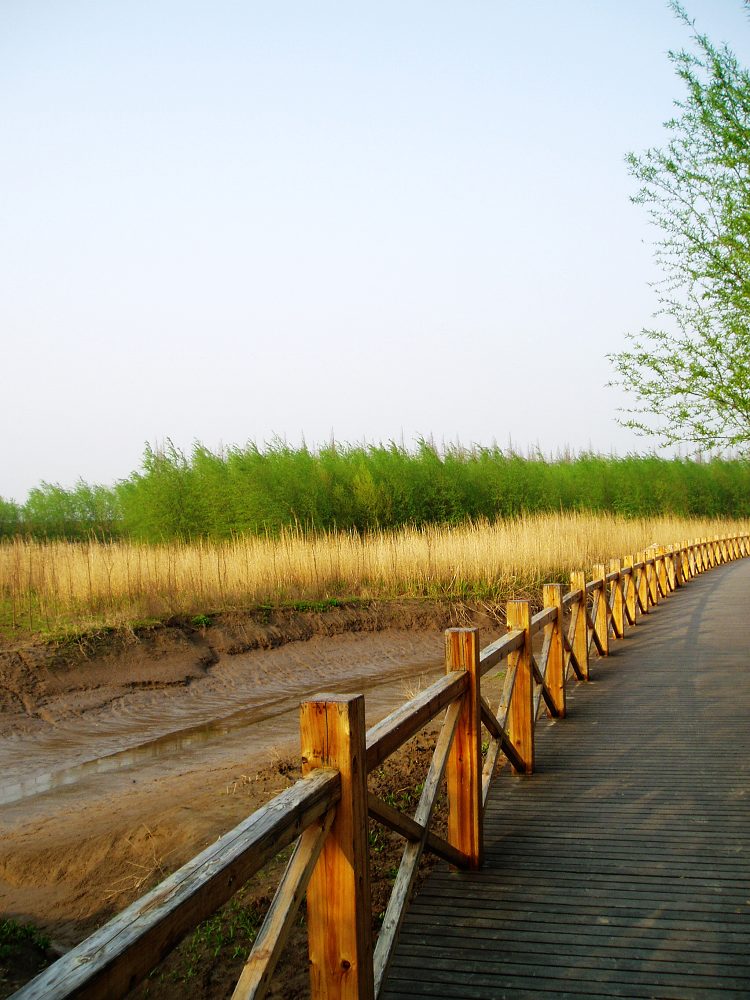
[327, 810]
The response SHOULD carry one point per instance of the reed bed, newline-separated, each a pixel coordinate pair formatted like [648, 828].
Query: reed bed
[57, 586]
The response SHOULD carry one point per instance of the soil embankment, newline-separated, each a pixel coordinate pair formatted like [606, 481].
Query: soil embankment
[124, 755]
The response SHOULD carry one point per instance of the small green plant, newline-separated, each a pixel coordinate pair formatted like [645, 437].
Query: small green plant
[230, 932]
[202, 621]
[376, 839]
[14, 936]
[323, 605]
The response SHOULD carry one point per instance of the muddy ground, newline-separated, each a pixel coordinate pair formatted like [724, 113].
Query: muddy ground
[124, 754]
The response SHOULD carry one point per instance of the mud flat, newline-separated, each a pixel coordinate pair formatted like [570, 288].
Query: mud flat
[124, 756]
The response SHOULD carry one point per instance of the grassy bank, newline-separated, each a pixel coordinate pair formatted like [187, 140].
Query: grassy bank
[54, 587]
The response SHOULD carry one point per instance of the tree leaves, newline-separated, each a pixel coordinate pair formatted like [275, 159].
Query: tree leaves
[690, 375]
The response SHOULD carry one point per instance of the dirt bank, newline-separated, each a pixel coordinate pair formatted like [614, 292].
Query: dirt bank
[115, 770]
[41, 680]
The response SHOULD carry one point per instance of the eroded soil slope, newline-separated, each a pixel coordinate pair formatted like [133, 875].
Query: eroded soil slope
[124, 755]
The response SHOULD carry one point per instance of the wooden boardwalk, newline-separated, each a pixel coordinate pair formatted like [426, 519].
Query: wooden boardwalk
[621, 868]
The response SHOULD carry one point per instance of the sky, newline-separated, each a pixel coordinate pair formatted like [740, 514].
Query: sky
[233, 221]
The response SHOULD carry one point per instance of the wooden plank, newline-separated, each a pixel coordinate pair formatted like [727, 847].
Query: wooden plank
[410, 830]
[406, 721]
[497, 651]
[570, 660]
[463, 772]
[600, 940]
[488, 770]
[661, 571]
[692, 559]
[555, 676]
[277, 926]
[542, 618]
[573, 597]
[701, 555]
[601, 612]
[402, 887]
[489, 720]
[642, 585]
[506, 697]
[499, 743]
[538, 673]
[683, 566]
[617, 601]
[520, 720]
[652, 578]
[673, 567]
[631, 601]
[339, 912]
[579, 638]
[119, 955]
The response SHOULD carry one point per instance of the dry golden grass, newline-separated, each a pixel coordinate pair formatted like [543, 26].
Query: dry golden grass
[55, 586]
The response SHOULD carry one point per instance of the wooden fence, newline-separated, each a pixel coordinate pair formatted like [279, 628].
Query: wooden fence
[327, 810]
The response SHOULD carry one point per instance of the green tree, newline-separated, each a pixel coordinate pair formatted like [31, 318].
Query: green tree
[10, 518]
[691, 375]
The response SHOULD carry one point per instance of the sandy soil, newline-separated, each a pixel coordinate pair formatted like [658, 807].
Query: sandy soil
[114, 770]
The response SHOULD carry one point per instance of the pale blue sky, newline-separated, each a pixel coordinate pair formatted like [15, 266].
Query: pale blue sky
[223, 221]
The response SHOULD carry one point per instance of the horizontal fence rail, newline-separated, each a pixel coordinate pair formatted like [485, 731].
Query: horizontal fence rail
[327, 810]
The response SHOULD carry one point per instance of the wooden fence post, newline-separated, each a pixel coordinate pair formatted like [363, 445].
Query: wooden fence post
[661, 569]
[555, 678]
[520, 725]
[630, 599]
[464, 766]
[339, 913]
[643, 583]
[684, 564]
[653, 583]
[580, 641]
[618, 604]
[601, 620]
[673, 567]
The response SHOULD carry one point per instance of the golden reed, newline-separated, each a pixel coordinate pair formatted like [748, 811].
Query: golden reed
[51, 586]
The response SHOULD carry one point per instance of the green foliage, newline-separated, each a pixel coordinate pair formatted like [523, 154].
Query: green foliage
[691, 375]
[11, 516]
[228, 935]
[254, 491]
[14, 936]
[53, 512]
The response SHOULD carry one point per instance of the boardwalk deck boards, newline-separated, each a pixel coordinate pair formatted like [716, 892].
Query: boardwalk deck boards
[621, 868]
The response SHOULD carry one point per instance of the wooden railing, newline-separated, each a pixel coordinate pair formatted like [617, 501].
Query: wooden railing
[327, 810]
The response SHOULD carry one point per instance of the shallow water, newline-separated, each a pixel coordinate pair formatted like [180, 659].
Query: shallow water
[246, 707]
